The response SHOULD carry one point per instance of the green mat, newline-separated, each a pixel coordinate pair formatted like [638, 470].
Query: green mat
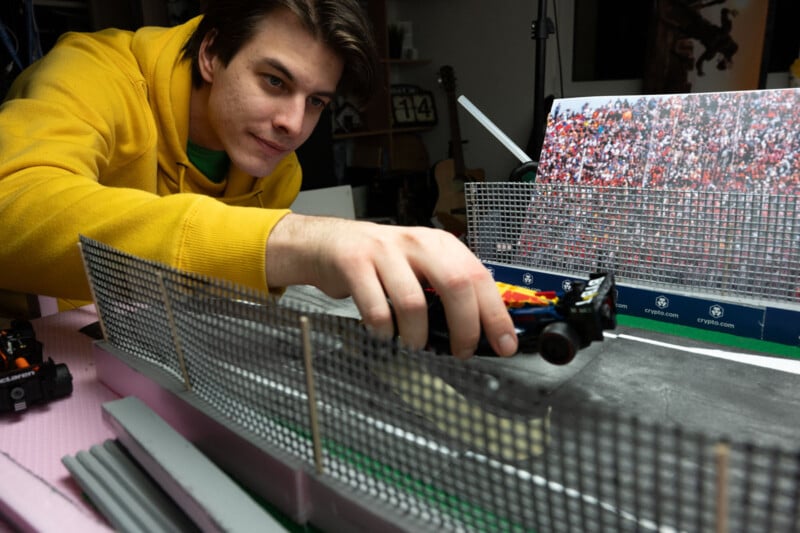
[724, 339]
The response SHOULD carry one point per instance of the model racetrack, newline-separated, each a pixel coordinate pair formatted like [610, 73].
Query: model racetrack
[669, 383]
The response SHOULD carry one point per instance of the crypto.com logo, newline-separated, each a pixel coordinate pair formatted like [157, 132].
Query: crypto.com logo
[716, 311]
[662, 302]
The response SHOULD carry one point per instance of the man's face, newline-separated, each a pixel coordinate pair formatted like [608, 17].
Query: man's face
[268, 99]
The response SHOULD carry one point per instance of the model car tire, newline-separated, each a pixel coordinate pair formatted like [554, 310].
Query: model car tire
[558, 343]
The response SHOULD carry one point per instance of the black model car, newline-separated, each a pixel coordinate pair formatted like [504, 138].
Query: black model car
[25, 378]
[555, 324]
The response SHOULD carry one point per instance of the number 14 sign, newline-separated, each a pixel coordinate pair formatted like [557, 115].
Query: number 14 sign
[412, 106]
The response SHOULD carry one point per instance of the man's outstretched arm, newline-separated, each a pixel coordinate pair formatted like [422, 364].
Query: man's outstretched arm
[371, 262]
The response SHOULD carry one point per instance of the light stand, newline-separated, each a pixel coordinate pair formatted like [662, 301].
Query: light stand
[541, 28]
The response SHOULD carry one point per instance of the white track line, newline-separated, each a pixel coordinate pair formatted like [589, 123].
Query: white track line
[781, 364]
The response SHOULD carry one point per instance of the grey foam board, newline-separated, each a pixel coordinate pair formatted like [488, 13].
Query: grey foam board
[208, 495]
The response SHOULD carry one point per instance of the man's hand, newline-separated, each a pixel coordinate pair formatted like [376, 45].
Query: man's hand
[371, 262]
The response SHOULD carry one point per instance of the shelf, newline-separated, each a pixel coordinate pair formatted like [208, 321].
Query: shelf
[384, 142]
[374, 133]
[69, 4]
[401, 62]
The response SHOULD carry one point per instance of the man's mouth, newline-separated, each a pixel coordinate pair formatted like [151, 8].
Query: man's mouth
[270, 147]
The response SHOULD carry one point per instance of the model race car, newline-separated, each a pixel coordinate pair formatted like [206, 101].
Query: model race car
[24, 377]
[554, 323]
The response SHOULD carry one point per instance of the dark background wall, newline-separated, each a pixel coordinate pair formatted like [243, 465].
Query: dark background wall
[597, 48]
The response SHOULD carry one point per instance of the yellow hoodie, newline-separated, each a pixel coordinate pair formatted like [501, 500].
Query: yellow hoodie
[93, 141]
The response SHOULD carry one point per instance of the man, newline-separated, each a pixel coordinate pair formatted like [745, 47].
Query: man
[177, 145]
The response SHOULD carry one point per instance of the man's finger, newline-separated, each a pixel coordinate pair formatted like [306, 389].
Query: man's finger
[408, 300]
[370, 299]
[497, 324]
[463, 319]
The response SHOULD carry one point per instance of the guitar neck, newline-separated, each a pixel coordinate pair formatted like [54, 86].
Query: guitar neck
[456, 144]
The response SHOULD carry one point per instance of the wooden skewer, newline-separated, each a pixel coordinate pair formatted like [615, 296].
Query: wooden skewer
[176, 339]
[721, 454]
[312, 401]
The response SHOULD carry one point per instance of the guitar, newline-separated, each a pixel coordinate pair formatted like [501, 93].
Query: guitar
[451, 174]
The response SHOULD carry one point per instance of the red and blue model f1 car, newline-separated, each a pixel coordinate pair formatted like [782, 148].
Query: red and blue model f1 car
[555, 324]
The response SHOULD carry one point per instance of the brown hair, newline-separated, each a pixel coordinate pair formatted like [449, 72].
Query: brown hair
[340, 24]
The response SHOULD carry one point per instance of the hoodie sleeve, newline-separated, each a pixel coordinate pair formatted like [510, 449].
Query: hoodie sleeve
[78, 155]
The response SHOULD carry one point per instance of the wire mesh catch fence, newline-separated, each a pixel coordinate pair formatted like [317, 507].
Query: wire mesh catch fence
[437, 441]
[725, 243]
[130, 295]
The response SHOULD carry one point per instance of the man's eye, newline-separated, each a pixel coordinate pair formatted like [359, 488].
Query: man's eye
[273, 81]
[317, 102]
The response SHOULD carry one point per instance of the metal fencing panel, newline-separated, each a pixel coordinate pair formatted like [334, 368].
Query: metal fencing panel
[727, 243]
[440, 442]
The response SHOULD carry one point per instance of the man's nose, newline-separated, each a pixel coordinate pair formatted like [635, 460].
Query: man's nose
[291, 115]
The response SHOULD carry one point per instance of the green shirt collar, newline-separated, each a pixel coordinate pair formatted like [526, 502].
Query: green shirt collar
[213, 164]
